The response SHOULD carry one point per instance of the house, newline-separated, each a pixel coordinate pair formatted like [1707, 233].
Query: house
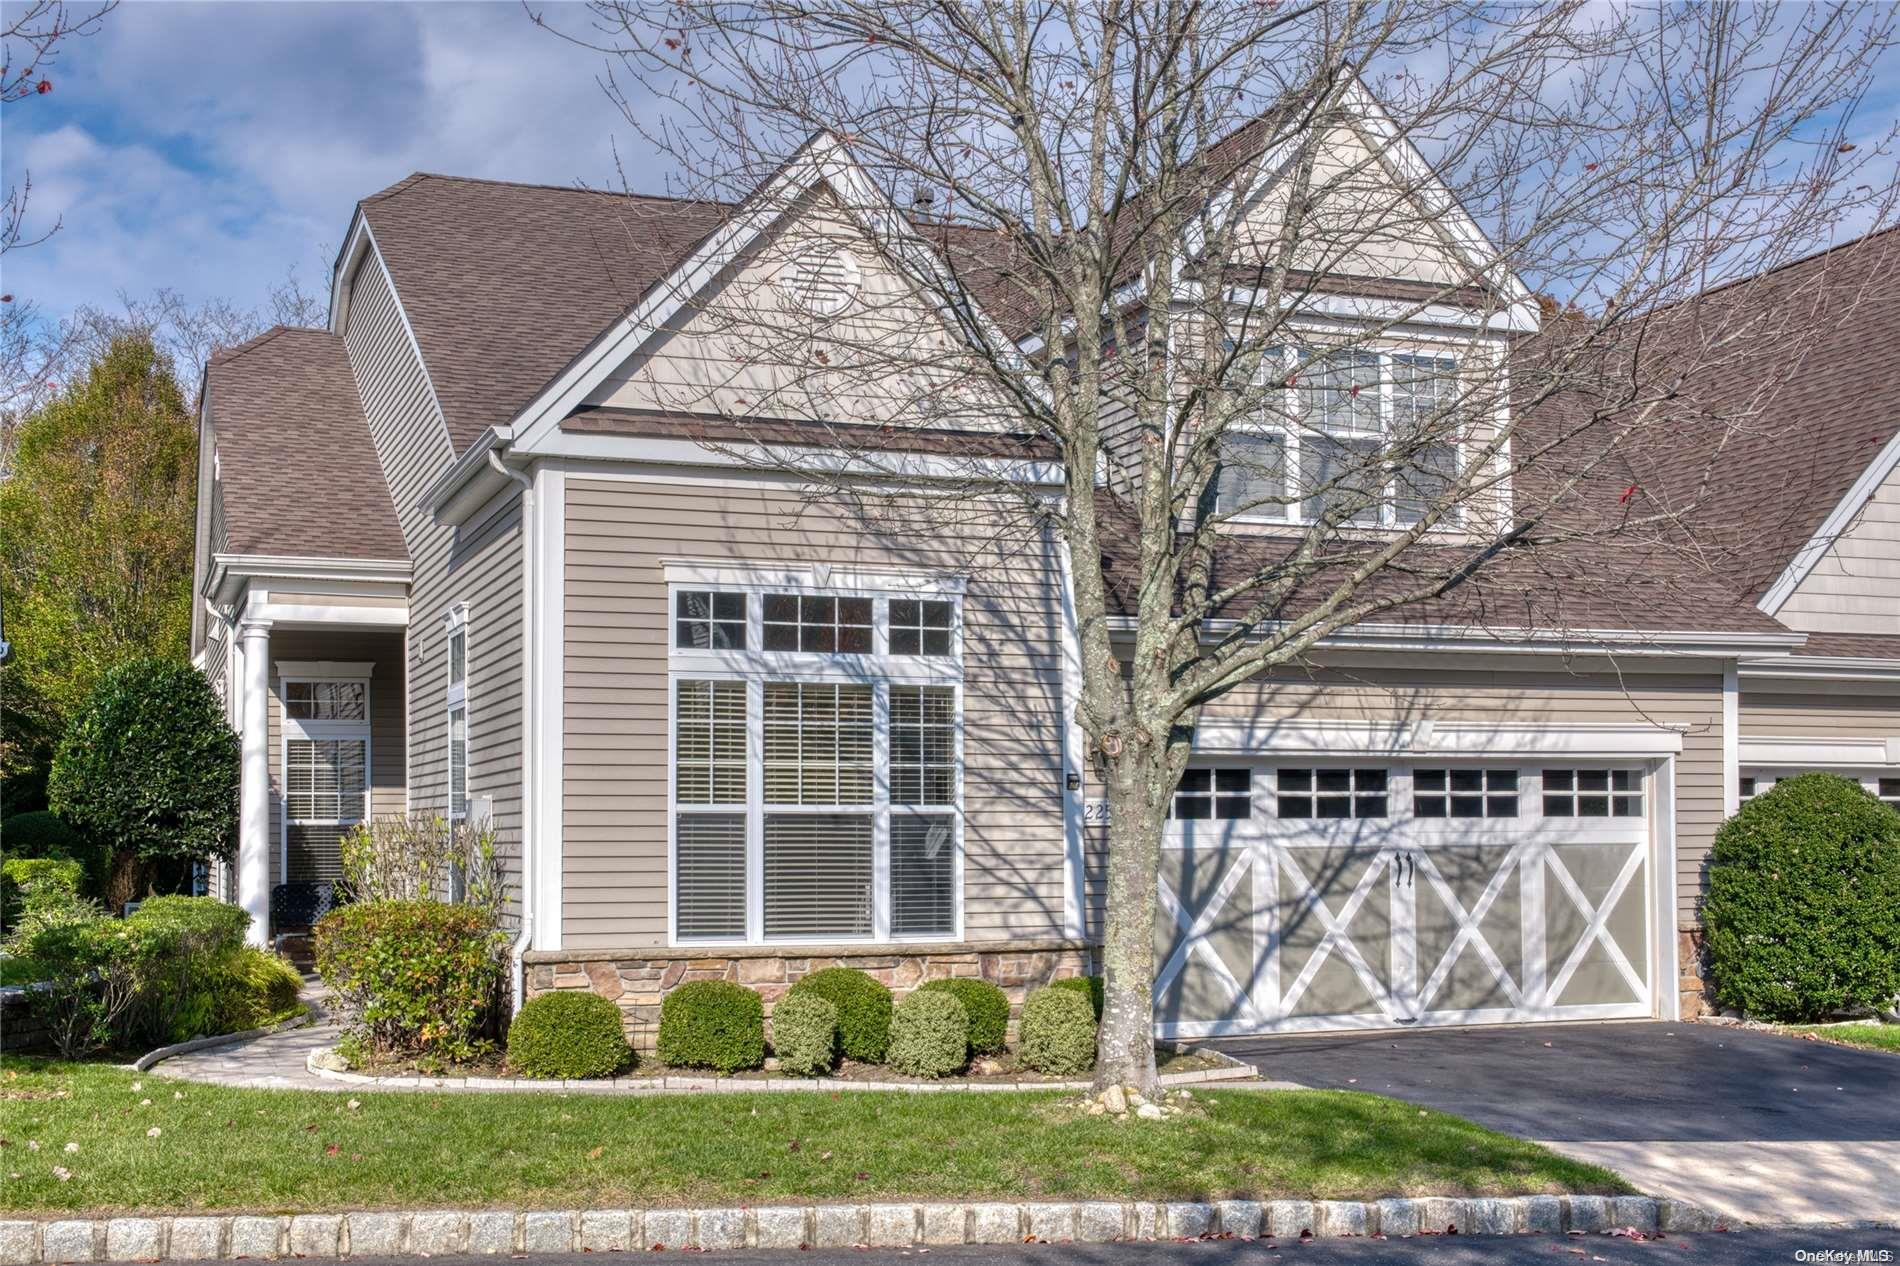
[487, 546]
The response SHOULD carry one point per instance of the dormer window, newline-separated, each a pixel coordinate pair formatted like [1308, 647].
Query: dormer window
[1359, 432]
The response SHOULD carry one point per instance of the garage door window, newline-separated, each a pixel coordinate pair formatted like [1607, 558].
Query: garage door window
[1222, 794]
[1332, 793]
[1593, 793]
[1464, 793]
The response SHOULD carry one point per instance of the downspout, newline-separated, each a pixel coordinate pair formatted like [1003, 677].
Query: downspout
[518, 964]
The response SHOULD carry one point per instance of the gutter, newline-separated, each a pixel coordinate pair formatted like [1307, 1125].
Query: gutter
[1448, 637]
[517, 964]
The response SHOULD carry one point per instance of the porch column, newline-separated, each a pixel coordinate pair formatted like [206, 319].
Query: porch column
[253, 862]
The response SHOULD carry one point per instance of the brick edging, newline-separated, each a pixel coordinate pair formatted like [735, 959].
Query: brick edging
[700, 1084]
[886, 1225]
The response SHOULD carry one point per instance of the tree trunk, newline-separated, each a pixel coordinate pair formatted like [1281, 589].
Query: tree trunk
[1125, 1054]
[123, 880]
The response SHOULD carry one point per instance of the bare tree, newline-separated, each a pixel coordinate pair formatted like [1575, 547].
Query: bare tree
[1329, 313]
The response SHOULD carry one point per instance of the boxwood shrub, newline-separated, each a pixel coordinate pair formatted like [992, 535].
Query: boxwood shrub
[1089, 987]
[568, 1034]
[414, 978]
[805, 1034]
[712, 1024]
[930, 1034]
[1803, 911]
[864, 1010]
[1058, 1032]
[986, 1005]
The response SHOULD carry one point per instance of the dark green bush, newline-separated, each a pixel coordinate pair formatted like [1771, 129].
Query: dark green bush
[1058, 1032]
[1089, 987]
[1803, 911]
[414, 978]
[193, 924]
[149, 769]
[930, 1034]
[805, 1035]
[712, 1024]
[87, 983]
[864, 1010]
[568, 1034]
[181, 951]
[40, 834]
[987, 1006]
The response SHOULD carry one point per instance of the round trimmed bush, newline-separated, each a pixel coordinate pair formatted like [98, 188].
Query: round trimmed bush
[712, 1024]
[987, 1006]
[1058, 1032]
[930, 1034]
[864, 1010]
[1089, 987]
[568, 1034]
[1803, 911]
[805, 1034]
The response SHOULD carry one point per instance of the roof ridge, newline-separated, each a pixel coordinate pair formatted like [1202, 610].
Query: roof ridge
[416, 178]
[251, 344]
[1809, 258]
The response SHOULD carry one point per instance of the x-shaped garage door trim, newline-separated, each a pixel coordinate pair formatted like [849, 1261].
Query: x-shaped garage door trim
[1195, 938]
[1335, 938]
[1597, 928]
[1469, 929]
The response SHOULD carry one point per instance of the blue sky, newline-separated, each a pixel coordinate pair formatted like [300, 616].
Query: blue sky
[210, 148]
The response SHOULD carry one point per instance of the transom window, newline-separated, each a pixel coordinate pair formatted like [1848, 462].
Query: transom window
[801, 622]
[1363, 434]
[1593, 793]
[1332, 793]
[326, 700]
[1464, 793]
[919, 627]
[705, 620]
[1217, 794]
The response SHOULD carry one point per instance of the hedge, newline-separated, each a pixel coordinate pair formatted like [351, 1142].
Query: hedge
[805, 1035]
[1058, 1032]
[416, 978]
[864, 1010]
[1803, 911]
[570, 1035]
[712, 1024]
[986, 1005]
[930, 1034]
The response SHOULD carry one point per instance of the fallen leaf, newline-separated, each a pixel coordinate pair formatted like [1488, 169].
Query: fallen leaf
[595, 1154]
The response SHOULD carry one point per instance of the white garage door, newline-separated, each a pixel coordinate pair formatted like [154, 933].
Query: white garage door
[1305, 896]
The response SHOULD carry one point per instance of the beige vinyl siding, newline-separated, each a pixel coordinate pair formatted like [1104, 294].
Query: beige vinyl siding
[388, 770]
[1692, 701]
[1855, 587]
[479, 565]
[1837, 709]
[614, 844]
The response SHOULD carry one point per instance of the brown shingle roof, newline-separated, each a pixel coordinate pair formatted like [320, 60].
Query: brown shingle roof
[505, 284]
[1791, 417]
[297, 468]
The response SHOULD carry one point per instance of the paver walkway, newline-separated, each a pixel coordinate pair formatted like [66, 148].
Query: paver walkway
[1753, 1125]
[277, 1061]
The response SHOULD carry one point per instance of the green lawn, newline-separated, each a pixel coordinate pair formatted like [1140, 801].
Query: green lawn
[1873, 1037]
[287, 1150]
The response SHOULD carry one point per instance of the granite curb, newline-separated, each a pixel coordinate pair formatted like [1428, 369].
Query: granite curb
[897, 1224]
[700, 1083]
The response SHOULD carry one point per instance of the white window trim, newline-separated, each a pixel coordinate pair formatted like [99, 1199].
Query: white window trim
[1290, 433]
[878, 669]
[294, 728]
[457, 696]
[1867, 779]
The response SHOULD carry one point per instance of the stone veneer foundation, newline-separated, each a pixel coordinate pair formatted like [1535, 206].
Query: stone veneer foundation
[1691, 986]
[636, 979]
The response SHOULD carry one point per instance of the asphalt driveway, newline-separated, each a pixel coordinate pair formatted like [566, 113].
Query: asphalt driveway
[1760, 1127]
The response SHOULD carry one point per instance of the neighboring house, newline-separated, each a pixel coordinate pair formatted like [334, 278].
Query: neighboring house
[464, 553]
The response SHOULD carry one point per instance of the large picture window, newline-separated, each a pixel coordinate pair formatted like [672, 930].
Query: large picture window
[1364, 435]
[823, 803]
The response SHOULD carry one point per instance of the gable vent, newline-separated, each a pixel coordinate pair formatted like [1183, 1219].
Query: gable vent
[823, 282]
